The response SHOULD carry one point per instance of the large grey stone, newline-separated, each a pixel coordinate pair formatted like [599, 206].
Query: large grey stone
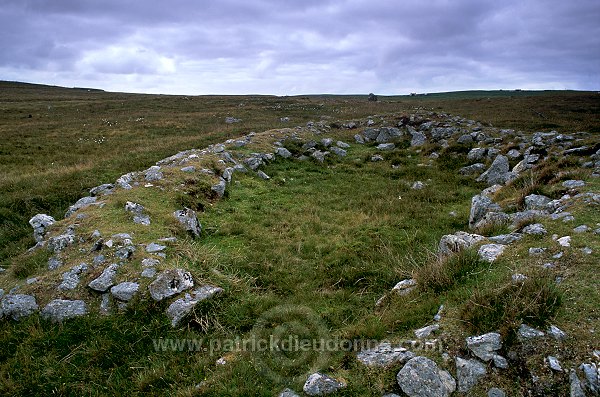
[535, 229]
[169, 283]
[102, 190]
[418, 138]
[387, 134]
[536, 202]
[153, 174]
[491, 219]
[283, 152]
[490, 252]
[18, 306]
[71, 278]
[106, 279]
[187, 217]
[506, 238]
[219, 188]
[384, 355]
[59, 243]
[575, 390]
[468, 373]
[498, 173]
[496, 392]
[125, 291]
[183, 306]
[138, 213]
[592, 377]
[319, 384]
[573, 184]
[485, 346]
[421, 377]
[338, 151]
[81, 203]
[40, 223]
[288, 393]
[386, 146]
[452, 243]
[526, 332]
[477, 154]
[473, 169]
[60, 309]
[481, 205]
[253, 162]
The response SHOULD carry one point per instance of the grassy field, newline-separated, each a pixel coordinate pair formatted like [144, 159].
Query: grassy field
[332, 238]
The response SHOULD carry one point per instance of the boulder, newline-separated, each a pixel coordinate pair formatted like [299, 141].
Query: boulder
[338, 151]
[498, 173]
[477, 154]
[81, 203]
[59, 310]
[387, 134]
[492, 219]
[421, 377]
[59, 243]
[490, 252]
[473, 169]
[537, 202]
[102, 190]
[283, 152]
[573, 184]
[153, 174]
[452, 243]
[384, 355]
[386, 146]
[188, 219]
[253, 162]
[536, 229]
[40, 223]
[418, 138]
[484, 346]
[169, 283]
[319, 384]
[468, 373]
[106, 279]
[18, 306]
[183, 306]
[481, 205]
[219, 188]
[71, 278]
[124, 291]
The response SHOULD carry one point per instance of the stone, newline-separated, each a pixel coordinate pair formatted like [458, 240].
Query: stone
[106, 280]
[319, 384]
[592, 377]
[575, 385]
[452, 243]
[495, 392]
[387, 134]
[253, 162]
[232, 120]
[149, 272]
[484, 346]
[536, 251]
[228, 174]
[499, 361]
[421, 377]
[219, 188]
[376, 158]
[326, 142]
[526, 332]
[359, 139]
[554, 364]
[102, 190]
[149, 262]
[71, 278]
[54, 263]
[418, 138]
[386, 146]
[498, 173]
[425, 332]
[518, 278]
[40, 223]
[481, 205]
[581, 229]
[18, 306]
[536, 202]
[137, 210]
[124, 181]
[473, 169]
[288, 393]
[262, 175]
[384, 355]
[465, 139]
[59, 243]
[573, 184]
[564, 241]
[556, 333]
[153, 174]
[319, 155]
[125, 252]
[154, 247]
[491, 252]
[188, 219]
[169, 283]
[405, 286]
[342, 145]
[476, 154]
[506, 239]
[492, 219]
[189, 168]
[59, 310]
[468, 373]
[125, 291]
[338, 151]
[513, 154]
[81, 203]
[105, 304]
[183, 306]
[536, 229]
[283, 152]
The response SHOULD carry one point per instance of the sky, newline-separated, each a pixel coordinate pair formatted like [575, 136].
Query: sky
[294, 47]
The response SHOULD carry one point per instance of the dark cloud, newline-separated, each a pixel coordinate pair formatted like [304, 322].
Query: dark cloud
[290, 47]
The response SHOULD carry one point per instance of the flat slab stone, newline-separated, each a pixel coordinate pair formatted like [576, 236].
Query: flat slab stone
[60, 309]
[384, 355]
[18, 306]
[170, 282]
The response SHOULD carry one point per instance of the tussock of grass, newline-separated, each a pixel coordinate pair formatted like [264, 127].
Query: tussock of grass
[534, 301]
[441, 273]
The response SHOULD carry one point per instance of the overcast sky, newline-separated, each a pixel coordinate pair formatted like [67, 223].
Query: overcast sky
[289, 47]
